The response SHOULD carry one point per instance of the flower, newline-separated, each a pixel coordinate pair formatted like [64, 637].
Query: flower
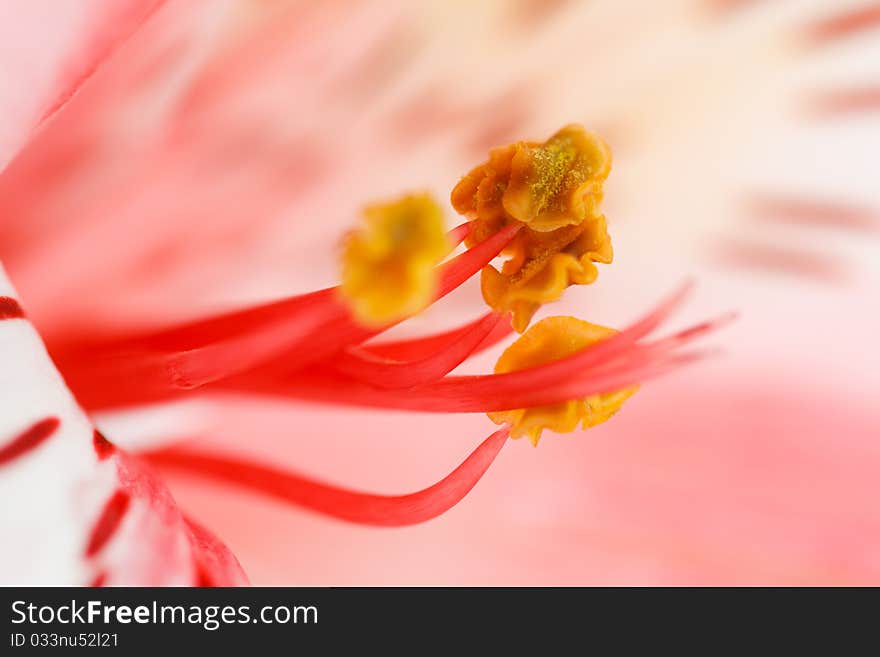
[312, 345]
[173, 181]
[258, 350]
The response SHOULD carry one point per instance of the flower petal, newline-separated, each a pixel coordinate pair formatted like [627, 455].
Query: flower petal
[81, 510]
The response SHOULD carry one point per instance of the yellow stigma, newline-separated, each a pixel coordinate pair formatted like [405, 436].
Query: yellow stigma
[389, 265]
[554, 189]
[548, 340]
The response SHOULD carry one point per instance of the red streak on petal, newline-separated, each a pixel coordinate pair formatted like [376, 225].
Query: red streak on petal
[108, 522]
[814, 212]
[99, 580]
[29, 439]
[203, 578]
[10, 309]
[844, 25]
[528, 14]
[118, 34]
[103, 447]
[729, 5]
[782, 260]
[364, 366]
[353, 506]
[854, 100]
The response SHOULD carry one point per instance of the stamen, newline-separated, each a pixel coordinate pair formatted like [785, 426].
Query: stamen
[418, 348]
[615, 363]
[550, 340]
[389, 266]
[353, 506]
[278, 338]
[554, 190]
[360, 364]
[473, 394]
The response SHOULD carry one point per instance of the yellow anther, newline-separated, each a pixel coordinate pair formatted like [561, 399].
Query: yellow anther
[551, 339]
[389, 265]
[554, 189]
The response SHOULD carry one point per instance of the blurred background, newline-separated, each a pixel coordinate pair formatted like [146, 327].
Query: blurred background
[219, 153]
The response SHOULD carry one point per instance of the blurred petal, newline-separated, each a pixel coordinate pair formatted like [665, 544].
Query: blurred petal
[85, 512]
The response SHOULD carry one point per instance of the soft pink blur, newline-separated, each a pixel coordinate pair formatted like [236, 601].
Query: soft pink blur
[219, 153]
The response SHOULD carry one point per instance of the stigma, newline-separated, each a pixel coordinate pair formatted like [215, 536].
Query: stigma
[389, 265]
[554, 190]
[549, 340]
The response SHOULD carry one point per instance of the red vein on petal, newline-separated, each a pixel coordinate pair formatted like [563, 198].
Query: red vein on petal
[10, 309]
[781, 260]
[845, 101]
[814, 212]
[203, 578]
[99, 580]
[368, 368]
[844, 25]
[108, 522]
[29, 439]
[103, 447]
[342, 503]
[723, 6]
[99, 57]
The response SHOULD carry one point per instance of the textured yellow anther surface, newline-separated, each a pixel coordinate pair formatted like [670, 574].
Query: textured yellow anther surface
[554, 189]
[389, 265]
[549, 340]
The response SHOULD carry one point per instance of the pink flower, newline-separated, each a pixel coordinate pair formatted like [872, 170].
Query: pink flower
[168, 218]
